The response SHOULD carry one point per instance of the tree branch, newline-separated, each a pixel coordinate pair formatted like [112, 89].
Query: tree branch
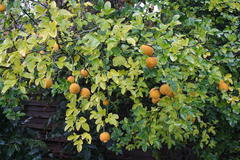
[24, 11]
[14, 20]
[45, 6]
[90, 30]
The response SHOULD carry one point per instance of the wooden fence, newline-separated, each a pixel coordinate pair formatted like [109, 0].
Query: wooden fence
[37, 118]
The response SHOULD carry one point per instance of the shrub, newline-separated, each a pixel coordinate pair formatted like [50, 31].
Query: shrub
[195, 44]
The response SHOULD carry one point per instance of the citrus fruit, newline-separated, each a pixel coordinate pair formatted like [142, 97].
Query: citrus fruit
[155, 100]
[154, 93]
[48, 83]
[147, 50]
[2, 7]
[105, 102]
[71, 79]
[85, 93]
[151, 62]
[84, 73]
[105, 137]
[165, 89]
[74, 88]
[222, 86]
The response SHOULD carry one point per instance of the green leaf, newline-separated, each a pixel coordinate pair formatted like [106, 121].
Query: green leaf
[112, 119]
[107, 5]
[60, 63]
[82, 120]
[176, 17]
[53, 4]
[119, 61]
[86, 127]
[107, 8]
[190, 59]
[111, 43]
[94, 87]
[8, 84]
[68, 127]
[131, 41]
[69, 112]
[52, 29]
[78, 125]
[87, 136]
[65, 13]
[103, 85]
[79, 145]
[73, 137]
[91, 41]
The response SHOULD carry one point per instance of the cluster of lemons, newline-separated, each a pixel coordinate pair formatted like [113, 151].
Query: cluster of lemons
[155, 93]
[151, 61]
[165, 89]
[74, 88]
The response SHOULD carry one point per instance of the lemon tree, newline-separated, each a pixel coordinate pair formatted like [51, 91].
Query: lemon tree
[115, 56]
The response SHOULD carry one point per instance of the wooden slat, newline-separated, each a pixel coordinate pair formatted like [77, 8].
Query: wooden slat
[57, 140]
[37, 121]
[55, 147]
[45, 115]
[37, 126]
[40, 108]
[39, 114]
[39, 103]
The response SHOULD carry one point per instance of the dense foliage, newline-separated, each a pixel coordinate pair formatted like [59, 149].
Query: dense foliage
[17, 143]
[196, 44]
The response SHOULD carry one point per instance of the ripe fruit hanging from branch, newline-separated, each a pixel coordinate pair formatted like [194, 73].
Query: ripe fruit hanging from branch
[222, 86]
[74, 88]
[151, 62]
[104, 137]
[106, 102]
[165, 89]
[2, 7]
[84, 73]
[154, 93]
[48, 83]
[147, 50]
[155, 100]
[118, 80]
[85, 93]
[71, 79]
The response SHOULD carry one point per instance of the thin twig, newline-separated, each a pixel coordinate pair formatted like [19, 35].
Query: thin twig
[40, 3]
[90, 30]
[29, 16]
[14, 20]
